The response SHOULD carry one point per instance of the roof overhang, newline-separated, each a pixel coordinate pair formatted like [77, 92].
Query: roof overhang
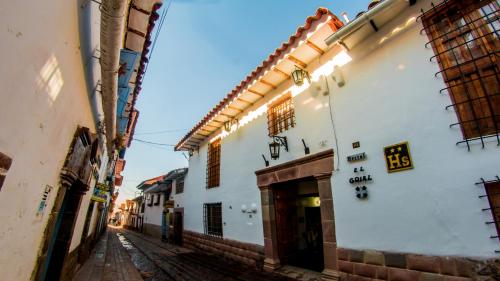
[302, 48]
[369, 22]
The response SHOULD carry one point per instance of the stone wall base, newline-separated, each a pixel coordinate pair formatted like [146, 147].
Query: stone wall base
[369, 265]
[246, 253]
[153, 230]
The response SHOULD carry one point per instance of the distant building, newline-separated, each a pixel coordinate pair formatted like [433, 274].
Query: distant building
[157, 219]
[366, 149]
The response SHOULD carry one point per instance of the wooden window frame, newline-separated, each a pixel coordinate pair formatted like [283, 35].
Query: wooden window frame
[213, 163]
[492, 189]
[280, 115]
[452, 27]
[212, 219]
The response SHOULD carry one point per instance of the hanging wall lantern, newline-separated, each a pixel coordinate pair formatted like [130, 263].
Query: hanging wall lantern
[274, 147]
[298, 76]
[227, 126]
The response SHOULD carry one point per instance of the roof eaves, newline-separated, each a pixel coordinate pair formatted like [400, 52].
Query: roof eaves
[320, 12]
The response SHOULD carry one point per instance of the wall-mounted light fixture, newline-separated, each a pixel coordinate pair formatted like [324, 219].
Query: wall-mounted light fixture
[298, 76]
[274, 147]
[306, 148]
[249, 210]
[229, 124]
[190, 152]
[338, 77]
[265, 160]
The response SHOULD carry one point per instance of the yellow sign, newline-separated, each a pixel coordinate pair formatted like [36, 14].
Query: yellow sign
[397, 157]
[169, 204]
[100, 193]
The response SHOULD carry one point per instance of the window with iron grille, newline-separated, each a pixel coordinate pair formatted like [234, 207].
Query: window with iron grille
[212, 219]
[464, 35]
[157, 197]
[280, 115]
[492, 189]
[179, 188]
[213, 164]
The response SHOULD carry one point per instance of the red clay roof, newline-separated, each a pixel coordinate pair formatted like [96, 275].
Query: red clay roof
[260, 69]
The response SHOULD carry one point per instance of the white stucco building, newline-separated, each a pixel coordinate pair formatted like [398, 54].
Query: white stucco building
[57, 158]
[374, 120]
[158, 201]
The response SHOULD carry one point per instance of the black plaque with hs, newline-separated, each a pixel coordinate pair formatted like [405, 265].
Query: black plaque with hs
[397, 157]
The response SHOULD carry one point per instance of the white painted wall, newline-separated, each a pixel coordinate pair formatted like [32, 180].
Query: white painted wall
[390, 96]
[152, 214]
[44, 99]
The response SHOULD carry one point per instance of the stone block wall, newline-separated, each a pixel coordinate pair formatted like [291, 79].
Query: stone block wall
[249, 254]
[369, 265]
[153, 230]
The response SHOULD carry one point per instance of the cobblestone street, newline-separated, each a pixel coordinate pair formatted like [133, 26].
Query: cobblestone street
[157, 261]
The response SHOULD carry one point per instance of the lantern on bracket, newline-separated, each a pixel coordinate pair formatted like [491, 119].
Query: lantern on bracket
[298, 76]
[229, 124]
[274, 146]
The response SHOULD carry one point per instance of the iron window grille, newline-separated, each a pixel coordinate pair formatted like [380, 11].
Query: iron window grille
[281, 115]
[212, 219]
[179, 188]
[157, 197]
[213, 164]
[492, 189]
[150, 200]
[464, 36]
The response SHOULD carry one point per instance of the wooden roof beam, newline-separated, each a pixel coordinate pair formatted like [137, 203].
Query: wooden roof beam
[297, 61]
[315, 47]
[255, 93]
[267, 83]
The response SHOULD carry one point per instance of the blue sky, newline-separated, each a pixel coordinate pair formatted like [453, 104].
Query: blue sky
[204, 49]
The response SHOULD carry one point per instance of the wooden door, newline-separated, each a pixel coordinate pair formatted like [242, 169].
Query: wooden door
[286, 221]
[178, 228]
[63, 233]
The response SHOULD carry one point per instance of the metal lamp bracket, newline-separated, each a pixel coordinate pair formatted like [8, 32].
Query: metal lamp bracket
[282, 141]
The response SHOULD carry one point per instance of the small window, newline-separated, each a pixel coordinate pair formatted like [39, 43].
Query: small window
[213, 164]
[150, 200]
[179, 188]
[493, 192]
[157, 199]
[280, 115]
[464, 35]
[212, 216]
[5, 163]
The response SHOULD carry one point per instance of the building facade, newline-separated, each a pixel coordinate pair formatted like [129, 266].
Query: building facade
[158, 212]
[369, 148]
[57, 156]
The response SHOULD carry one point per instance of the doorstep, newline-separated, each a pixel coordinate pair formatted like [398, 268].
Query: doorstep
[297, 273]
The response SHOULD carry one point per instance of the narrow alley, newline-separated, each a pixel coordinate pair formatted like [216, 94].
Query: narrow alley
[221, 140]
[123, 255]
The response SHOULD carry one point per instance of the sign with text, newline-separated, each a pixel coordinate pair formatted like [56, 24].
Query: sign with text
[100, 193]
[397, 157]
[356, 157]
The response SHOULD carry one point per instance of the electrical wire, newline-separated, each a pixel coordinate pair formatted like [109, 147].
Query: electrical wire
[160, 25]
[155, 143]
[330, 101]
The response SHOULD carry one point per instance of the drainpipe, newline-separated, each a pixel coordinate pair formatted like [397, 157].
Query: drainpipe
[360, 21]
[112, 25]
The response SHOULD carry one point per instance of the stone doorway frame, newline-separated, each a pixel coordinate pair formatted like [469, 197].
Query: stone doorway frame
[320, 167]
